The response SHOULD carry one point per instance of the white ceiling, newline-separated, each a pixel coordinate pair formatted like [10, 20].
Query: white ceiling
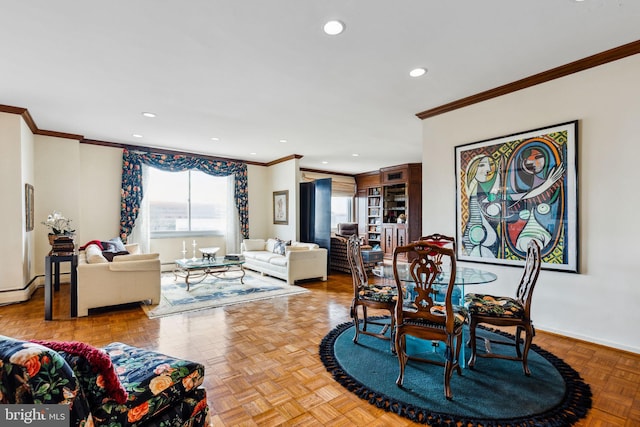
[253, 72]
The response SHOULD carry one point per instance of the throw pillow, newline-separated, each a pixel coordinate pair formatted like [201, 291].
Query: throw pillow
[99, 362]
[108, 246]
[93, 242]
[94, 254]
[119, 246]
[280, 246]
[253, 244]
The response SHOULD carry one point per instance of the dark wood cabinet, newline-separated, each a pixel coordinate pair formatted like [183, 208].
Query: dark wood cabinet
[393, 235]
[390, 206]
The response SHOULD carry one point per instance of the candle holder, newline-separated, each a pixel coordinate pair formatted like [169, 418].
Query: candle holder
[184, 254]
[194, 250]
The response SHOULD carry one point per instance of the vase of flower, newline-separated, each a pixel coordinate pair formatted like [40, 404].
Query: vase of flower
[59, 226]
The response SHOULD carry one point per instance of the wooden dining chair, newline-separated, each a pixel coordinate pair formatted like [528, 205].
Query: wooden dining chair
[444, 241]
[367, 296]
[441, 240]
[507, 311]
[423, 317]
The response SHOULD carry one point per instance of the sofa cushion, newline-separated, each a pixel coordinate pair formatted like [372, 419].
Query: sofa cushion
[266, 256]
[94, 254]
[280, 261]
[251, 254]
[254, 244]
[153, 380]
[270, 245]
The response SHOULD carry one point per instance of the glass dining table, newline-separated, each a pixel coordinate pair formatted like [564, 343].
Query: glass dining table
[465, 276]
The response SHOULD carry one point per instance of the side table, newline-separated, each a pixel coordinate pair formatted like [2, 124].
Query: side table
[53, 260]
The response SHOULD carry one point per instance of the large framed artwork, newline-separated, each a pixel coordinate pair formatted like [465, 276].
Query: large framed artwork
[281, 207]
[515, 188]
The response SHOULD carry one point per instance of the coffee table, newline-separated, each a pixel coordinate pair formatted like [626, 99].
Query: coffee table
[199, 269]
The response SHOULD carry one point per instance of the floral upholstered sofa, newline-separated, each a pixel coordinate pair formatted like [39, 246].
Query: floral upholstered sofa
[117, 386]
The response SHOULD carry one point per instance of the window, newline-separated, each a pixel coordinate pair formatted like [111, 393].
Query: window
[186, 203]
[341, 210]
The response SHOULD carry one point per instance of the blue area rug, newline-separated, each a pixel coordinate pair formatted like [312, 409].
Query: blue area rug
[212, 292]
[495, 393]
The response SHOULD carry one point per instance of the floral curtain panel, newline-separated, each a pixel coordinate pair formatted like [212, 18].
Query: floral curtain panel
[131, 192]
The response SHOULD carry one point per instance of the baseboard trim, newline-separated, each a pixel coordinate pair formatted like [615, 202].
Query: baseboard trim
[21, 295]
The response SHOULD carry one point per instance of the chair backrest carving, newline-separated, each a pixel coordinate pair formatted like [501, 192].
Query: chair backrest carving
[530, 275]
[424, 269]
[440, 240]
[358, 272]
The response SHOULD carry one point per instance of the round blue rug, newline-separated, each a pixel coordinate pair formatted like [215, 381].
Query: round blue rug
[495, 393]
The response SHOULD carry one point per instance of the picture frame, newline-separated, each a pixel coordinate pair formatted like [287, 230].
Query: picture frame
[515, 188]
[28, 207]
[281, 207]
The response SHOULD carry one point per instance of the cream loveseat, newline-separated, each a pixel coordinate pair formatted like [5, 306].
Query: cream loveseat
[300, 261]
[128, 278]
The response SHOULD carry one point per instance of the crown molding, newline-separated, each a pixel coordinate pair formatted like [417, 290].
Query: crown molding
[284, 159]
[601, 58]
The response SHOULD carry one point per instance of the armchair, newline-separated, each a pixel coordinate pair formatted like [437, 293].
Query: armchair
[338, 256]
[128, 278]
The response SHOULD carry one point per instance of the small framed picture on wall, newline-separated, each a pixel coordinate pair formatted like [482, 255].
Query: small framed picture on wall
[281, 207]
[28, 206]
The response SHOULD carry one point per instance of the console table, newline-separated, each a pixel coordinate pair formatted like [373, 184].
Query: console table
[52, 262]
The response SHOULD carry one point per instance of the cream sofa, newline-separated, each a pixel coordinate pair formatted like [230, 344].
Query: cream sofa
[128, 278]
[300, 261]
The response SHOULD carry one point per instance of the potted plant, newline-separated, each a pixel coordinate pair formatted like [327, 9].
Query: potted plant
[59, 225]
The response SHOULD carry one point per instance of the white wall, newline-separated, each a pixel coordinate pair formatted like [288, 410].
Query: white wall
[100, 178]
[284, 176]
[260, 200]
[12, 212]
[599, 304]
[56, 188]
[27, 173]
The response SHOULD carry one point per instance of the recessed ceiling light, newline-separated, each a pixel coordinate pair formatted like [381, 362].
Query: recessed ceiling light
[324, 162]
[137, 135]
[355, 154]
[417, 72]
[215, 139]
[253, 154]
[283, 140]
[333, 28]
[147, 114]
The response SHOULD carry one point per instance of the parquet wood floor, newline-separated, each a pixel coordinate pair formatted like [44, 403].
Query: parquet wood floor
[262, 364]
